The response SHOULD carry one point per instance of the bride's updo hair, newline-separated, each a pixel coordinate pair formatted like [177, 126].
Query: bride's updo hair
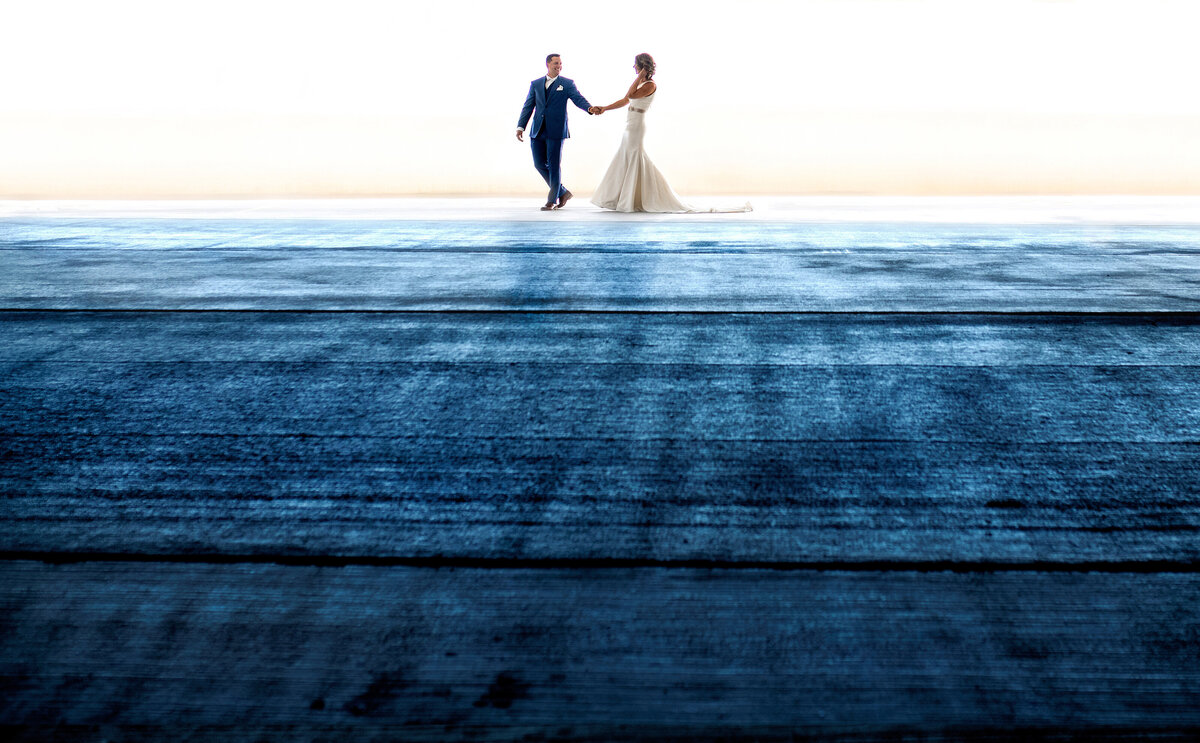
[645, 62]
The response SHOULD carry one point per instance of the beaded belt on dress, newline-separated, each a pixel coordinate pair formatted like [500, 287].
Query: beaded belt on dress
[639, 110]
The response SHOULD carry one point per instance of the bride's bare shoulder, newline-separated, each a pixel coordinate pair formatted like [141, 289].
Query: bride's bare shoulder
[647, 88]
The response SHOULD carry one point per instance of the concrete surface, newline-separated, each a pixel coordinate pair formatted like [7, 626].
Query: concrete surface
[263, 652]
[429, 476]
[692, 266]
[768, 438]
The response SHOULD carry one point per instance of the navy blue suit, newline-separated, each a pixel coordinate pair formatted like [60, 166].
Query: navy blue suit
[549, 110]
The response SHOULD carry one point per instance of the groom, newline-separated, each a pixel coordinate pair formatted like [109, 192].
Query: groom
[549, 96]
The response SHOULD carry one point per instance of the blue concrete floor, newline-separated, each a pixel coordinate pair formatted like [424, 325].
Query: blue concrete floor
[593, 481]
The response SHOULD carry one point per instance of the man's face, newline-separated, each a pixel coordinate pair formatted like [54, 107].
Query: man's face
[553, 67]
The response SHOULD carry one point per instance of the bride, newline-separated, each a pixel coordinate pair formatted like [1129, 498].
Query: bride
[632, 183]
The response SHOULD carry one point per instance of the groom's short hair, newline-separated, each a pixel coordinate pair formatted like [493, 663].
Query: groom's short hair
[551, 56]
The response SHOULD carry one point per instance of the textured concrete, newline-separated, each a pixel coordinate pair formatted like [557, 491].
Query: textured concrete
[247, 653]
[272, 479]
[769, 438]
[689, 266]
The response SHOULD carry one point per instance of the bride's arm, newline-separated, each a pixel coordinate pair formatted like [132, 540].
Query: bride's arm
[641, 76]
[634, 92]
[643, 91]
[617, 104]
[640, 89]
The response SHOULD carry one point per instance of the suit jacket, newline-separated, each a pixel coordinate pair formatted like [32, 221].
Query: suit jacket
[549, 107]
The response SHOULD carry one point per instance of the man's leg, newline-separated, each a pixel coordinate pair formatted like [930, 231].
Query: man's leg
[538, 145]
[554, 163]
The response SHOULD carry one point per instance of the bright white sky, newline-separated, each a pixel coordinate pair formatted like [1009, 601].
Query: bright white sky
[131, 98]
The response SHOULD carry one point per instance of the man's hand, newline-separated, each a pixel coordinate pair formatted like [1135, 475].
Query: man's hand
[520, 135]
[595, 110]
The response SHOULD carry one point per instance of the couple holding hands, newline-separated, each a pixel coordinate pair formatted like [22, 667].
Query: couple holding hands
[632, 183]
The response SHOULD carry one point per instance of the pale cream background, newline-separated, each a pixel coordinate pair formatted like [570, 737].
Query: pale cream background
[131, 99]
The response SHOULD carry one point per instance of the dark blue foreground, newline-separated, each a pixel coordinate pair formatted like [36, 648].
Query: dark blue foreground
[375, 481]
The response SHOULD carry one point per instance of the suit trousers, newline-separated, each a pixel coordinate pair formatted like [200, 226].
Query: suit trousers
[547, 158]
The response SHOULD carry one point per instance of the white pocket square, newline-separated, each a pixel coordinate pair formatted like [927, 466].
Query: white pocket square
[558, 88]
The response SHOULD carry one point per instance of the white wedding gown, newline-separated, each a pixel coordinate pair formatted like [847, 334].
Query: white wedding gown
[632, 183]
